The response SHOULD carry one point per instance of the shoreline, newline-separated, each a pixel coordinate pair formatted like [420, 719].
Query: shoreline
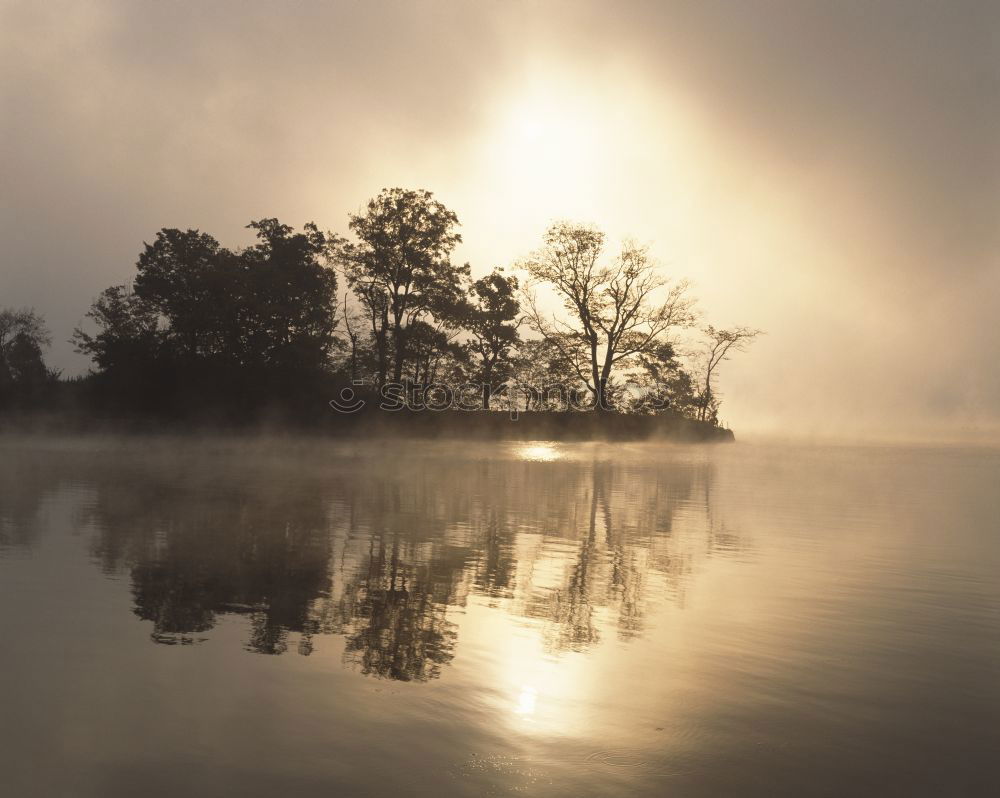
[375, 424]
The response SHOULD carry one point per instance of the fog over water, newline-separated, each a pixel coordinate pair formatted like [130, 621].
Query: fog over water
[230, 616]
[828, 172]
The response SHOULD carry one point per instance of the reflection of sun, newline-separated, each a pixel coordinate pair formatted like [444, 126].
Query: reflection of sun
[542, 452]
[542, 693]
[537, 691]
[526, 701]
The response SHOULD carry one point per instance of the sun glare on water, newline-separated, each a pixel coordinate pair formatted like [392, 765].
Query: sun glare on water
[526, 701]
[539, 452]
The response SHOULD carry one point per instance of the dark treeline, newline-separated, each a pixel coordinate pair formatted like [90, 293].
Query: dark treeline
[278, 329]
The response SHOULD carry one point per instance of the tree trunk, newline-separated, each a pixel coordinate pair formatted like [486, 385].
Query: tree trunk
[487, 386]
[595, 375]
[603, 380]
[400, 347]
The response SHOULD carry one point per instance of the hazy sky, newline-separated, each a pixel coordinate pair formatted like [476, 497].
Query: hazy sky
[828, 171]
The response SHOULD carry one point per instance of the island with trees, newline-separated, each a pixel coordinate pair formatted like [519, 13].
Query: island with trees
[381, 331]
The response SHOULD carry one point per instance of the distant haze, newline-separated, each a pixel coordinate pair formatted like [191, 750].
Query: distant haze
[829, 172]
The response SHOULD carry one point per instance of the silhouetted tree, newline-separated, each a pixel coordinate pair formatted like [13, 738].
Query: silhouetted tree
[718, 347]
[239, 334]
[290, 296]
[24, 336]
[428, 347]
[544, 378]
[207, 318]
[492, 324]
[611, 312]
[401, 268]
[664, 383]
[187, 278]
[128, 331]
[25, 323]
[270, 304]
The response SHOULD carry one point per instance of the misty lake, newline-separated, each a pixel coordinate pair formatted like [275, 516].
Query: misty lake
[270, 618]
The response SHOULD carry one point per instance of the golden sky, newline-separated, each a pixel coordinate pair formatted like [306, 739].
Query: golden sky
[826, 171]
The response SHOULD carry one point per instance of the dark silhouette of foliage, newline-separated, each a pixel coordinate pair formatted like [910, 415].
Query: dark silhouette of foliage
[664, 383]
[214, 323]
[260, 334]
[612, 313]
[492, 323]
[401, 270]
[271, 304]
[129, 348]
[24, 377]
[544, 379]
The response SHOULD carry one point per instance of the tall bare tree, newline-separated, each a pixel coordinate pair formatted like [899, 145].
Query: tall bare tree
[611, 313]
[719, 345]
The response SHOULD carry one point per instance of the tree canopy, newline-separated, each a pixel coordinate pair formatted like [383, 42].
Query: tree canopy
[574, 326]
[611, 313]
[401, 271]
[23, 338]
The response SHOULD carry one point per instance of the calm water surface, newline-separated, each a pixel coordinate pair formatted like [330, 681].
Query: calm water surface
[223, 618]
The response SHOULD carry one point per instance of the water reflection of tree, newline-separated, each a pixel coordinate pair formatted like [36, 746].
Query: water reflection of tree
[495, 567]
[394, 618]
[197, 550]
[400, 571]
[382, 552]
[25, 482]
[626, 539]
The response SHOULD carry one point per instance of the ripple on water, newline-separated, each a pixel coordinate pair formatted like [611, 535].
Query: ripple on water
[505, 774]
[635, 761]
